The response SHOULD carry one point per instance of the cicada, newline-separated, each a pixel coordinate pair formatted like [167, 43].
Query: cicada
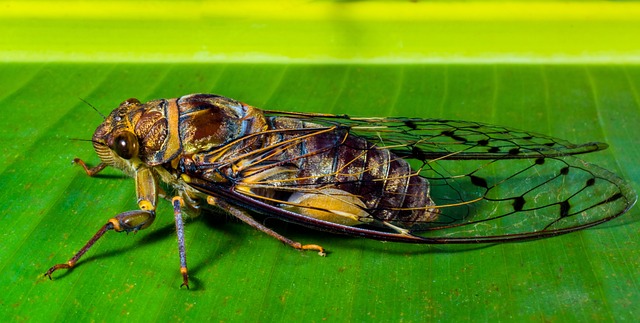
[427, 181]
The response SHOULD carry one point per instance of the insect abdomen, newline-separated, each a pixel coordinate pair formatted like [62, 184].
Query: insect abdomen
[384, 182]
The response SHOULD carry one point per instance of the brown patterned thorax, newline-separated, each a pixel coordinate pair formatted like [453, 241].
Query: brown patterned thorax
[151, 130]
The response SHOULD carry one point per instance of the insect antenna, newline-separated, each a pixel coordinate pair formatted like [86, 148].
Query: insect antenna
[80, 139]
[94, 108]
[87, 140]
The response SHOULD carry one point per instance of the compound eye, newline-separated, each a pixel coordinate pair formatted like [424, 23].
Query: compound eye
[126, 145]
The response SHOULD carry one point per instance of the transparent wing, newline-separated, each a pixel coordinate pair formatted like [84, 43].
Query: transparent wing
[489, 183]
[519, 198]
[449, 139]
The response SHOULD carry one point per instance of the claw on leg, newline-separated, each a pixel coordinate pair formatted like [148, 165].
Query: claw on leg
[315, 247]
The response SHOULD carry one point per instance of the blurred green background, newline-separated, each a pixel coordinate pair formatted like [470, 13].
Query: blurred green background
[568, 69]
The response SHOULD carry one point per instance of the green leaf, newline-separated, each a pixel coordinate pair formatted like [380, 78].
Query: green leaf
[50, 208]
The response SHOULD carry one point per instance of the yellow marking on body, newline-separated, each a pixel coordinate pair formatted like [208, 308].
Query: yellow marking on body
[177, 198]
[145, 205]
[175, 162]
[242, 188]
[259, 177]
[171, 146]
[331, 205]
[116, 224]
[214, 155]
[186, 178]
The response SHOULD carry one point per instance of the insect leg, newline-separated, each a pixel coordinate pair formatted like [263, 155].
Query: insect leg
[130, 221]
[242, 215]
[72, 262]
[177, 212]
[90, 171]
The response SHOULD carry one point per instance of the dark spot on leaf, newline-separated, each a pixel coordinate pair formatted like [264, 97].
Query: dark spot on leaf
[539, 161]
[514, 151]
[591, 181]
[494, 150]
[564, 171]
[483, 142]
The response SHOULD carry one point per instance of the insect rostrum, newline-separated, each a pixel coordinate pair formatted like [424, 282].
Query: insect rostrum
[394, 179]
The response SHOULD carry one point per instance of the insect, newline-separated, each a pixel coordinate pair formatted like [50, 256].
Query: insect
[394, 179]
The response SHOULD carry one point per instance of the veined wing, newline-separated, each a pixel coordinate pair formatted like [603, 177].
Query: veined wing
[449, 139]
[489, 183]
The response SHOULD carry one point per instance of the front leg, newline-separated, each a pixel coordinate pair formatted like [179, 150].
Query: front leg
[130, 221]
[91, 171]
